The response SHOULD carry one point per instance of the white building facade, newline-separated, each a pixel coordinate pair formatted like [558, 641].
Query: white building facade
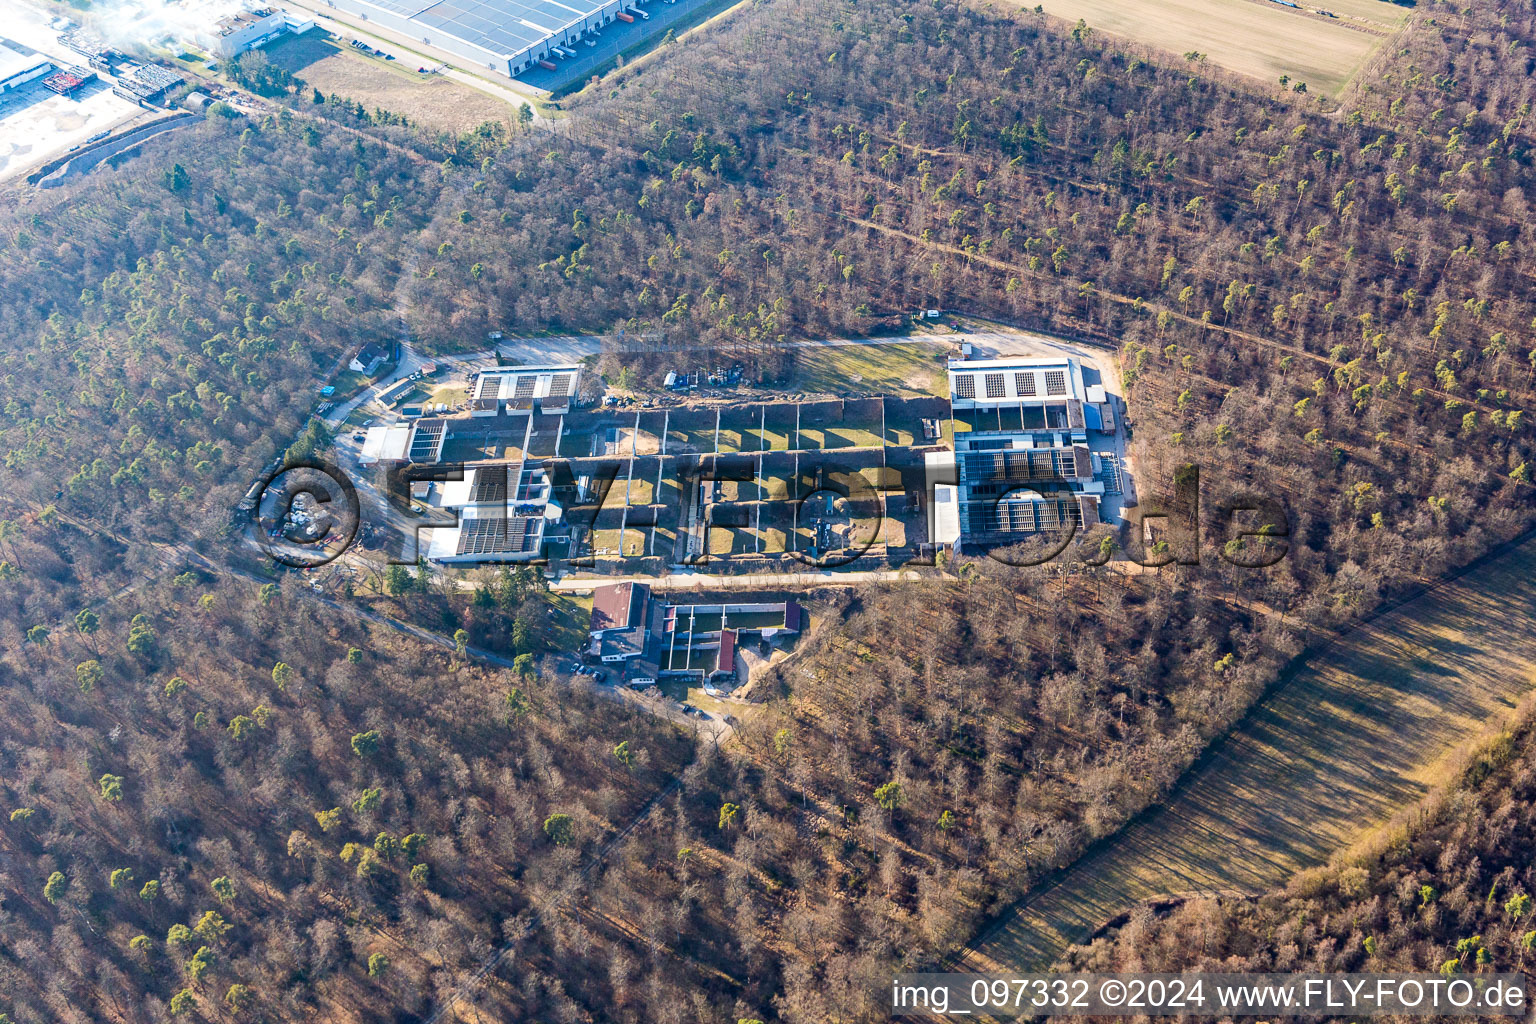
[20, 64]
[248, 30]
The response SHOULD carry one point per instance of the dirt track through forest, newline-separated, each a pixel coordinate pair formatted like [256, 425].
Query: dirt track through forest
[1360, 730]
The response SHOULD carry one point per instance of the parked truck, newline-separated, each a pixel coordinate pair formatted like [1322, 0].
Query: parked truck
[626, 17]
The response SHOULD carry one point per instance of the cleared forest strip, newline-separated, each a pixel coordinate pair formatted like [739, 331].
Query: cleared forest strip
[1358, 730]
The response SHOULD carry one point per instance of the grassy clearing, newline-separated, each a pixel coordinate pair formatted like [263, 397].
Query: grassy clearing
[1361, 729]
[904, 368]
[733, 441]
[778, 522]
[779, 424]
[624, 491]
[608, 544]
[741, 491]
[728, 540]
[641, 490]
[447, 394]
[904, 420]
[349, 382]
[766, 439]
[832, 425]
[670, 492]
[755, 538]
[543, 443]
[578, 443]
[477, 449]
[430, 100]
[903, 528]
[641, 442]
[572, 617]
[692, 431]
[1251, 37]
[774, 484]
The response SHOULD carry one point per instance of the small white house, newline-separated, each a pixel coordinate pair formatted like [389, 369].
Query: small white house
[368, 359]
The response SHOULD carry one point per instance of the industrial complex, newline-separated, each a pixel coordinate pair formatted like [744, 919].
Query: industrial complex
[507, 37]
[1025, 465]
[73, 95]
[518, 470]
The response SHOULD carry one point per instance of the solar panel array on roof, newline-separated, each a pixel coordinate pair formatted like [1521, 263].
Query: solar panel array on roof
[504, 27]
[560, 385]
[490, 485]
[404, 8]
[525, 386]
[1026, 517]
[495, 536]
[425, 441]
[1019, 464]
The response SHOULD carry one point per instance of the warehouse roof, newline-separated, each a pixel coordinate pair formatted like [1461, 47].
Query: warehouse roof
[386, 444]
[500, 26]
[16, 59]
[525, 383]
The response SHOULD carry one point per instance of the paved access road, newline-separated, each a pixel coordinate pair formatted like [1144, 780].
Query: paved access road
[686, 580]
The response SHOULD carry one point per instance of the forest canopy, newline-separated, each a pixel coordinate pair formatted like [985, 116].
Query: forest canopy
[1330, 304]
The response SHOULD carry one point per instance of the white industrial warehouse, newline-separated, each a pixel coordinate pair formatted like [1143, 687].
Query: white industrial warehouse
[506, 36]
[20, 64]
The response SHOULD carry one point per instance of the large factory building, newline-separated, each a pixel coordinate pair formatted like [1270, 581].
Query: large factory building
[506, 36]
[20, 64]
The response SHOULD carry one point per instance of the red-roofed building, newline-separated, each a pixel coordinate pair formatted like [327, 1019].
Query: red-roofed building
[727, 661]
[619, 606]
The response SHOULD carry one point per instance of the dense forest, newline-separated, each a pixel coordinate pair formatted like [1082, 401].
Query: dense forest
[220, 797]
[1321, 302]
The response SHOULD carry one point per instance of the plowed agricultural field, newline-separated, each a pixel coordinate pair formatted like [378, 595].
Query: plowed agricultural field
[1252, 37]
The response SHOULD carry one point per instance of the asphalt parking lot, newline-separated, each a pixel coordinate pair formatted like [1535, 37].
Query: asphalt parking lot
[613, 40]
